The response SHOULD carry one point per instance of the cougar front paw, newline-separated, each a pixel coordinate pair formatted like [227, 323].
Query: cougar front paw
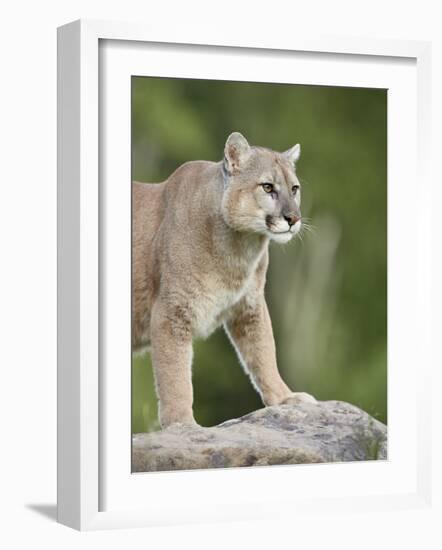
[297, 398]
[171, 419]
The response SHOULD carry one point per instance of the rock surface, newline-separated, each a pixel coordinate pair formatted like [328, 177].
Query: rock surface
[329, 431]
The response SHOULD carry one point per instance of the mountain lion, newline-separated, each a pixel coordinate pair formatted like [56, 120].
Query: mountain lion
[200, 257]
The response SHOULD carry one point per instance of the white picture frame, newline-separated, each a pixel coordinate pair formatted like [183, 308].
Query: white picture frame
[81, 471]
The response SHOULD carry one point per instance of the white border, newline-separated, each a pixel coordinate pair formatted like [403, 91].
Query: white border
[78, 272]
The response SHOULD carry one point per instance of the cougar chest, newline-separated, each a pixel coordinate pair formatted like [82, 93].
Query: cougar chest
[222, 290]
[213, 307]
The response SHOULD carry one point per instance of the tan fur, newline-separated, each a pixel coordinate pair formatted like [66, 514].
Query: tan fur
[200, 256]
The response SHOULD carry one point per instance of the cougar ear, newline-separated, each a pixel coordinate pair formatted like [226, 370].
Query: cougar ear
[293, 154]
[236, 152]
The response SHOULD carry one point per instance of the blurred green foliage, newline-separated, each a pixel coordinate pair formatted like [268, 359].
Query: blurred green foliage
[327, 294]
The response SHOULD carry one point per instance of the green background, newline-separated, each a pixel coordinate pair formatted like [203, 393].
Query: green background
[327, 294]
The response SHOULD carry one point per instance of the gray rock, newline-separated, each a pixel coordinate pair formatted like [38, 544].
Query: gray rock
[329, 431]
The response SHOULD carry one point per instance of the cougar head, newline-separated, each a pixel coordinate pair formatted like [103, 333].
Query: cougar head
[262, 193]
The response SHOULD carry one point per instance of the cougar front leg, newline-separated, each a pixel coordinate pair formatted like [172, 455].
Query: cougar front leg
[250, 331]
[171, 348]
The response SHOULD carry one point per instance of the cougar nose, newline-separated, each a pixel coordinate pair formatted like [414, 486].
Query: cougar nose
[291, 219]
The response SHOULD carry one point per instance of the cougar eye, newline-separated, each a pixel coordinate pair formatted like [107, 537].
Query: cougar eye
[268, 187]
[295, 189]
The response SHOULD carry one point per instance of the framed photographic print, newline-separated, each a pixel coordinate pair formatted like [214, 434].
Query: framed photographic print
[226, 349]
